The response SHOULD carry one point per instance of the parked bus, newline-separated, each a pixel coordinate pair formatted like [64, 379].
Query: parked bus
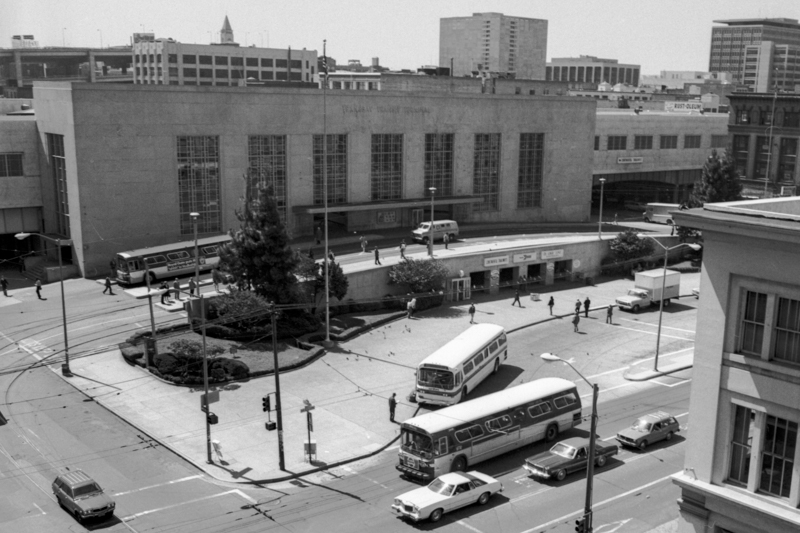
[447, 375]
[457, 437]
[168, 260]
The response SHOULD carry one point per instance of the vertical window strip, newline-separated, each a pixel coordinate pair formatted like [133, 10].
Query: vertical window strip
[58, 164]
[743, 427]
[439, 163]
[199, 183]
[531, 155]
[387, 167]
[337, 169]
[486, 171]
[755, 310]
[267, 166]
[777, 456]
[787, 331]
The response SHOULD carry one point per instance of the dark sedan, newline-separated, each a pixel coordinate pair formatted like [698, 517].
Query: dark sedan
[566, 457]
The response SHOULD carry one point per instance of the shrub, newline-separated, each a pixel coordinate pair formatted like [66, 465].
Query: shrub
[166, 363]
[628, 245]
[240, 310]
[235, 369]
[419, 275]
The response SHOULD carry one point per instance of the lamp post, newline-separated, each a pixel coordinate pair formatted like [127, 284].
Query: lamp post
[325, 259]
[771, 127]
[694, 247]
[430, 239]
[600, 222]
[59, 243]
[587, 509]
[206, 409]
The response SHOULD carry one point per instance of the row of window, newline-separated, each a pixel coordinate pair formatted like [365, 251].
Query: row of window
[234, 61]
[478, 358]
[788, 118]
[764, 158]
[11, 165]
[666, 142]
[770, 327]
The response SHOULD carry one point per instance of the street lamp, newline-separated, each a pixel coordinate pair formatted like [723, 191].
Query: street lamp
[206, 408]
[430, 239]
[771, 127]
[600, 223]
[695, 247]
[59, 243]
[587, 510]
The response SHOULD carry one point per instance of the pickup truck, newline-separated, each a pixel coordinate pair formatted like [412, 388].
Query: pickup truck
[647, 290]
[568, 456]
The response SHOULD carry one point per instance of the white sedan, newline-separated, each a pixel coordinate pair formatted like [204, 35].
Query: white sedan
[446, 493]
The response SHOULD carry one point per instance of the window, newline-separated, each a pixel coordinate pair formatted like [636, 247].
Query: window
[281, 63]
[190, 73]
[787, 331]
[777, 456]
[155, 260]
[205, 60]
[439, 163]
[295, 64]
[471, 432]
[251, 61]
[221, 73]
[643, 142]
[206, 73]
[220, 60]
[668, 142]
[742, 116]
[172, 58]
[478, 359]
[237, 61]
[265, 62]
[177, 256]
[752, 326]
[539, 409]
[336, 169]
[486, 171]
[531, 164]
[267, 167]
[468, 368]
[791, 119]
[58, 163]
[617, 142]
[387, 167]
[741, 151]
[691, 141]
[596, 143]
[743, 430]
[787, 159]
[765, 118]
[199, 183]
[10, 165]
[562, 402]
[762, 157]
[719, 141]
[498, 423]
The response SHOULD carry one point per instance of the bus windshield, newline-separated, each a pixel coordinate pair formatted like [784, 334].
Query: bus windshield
[122, 264]
[417, 443]
[442, 379]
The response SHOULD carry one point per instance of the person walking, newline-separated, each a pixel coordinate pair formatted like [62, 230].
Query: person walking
[164, 295]
[413, 306]
[363, 244]
[403, 249]
[610, 314]
[471, 313]
[216, 278]
[392, 406]
[4, 285]
[39, 289]
[576, 320]
[377, 256]
[550, 304]
[409, 310]
[176, 287]
[108, 287]
[446, 240]
[331, 256]
[586, 303]
[516, 298]
[318, 234]
[192, 286]
[578, 305]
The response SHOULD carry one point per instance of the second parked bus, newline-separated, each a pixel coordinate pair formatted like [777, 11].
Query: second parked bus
[168, 260]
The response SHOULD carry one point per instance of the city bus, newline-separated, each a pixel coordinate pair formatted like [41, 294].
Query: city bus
[457, 437]
[168, 260]
[447, 375]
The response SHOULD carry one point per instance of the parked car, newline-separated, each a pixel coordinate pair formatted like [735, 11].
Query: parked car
[568, 456]
[82, 496]
[649, 429]
[446, 493]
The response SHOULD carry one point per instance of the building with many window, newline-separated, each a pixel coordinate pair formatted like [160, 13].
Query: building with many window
[729, 43]
[765, 132]
[493, 44]
[742, 465]
[587, 72]
[769, 66]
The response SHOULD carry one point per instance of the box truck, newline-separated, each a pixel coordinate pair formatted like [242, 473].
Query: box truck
[647, 289]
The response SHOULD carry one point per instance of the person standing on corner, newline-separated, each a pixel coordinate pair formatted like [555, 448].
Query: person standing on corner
[108, 287]
[471, 313]
[577, 305]
[446, 240]
[392, 406]
[610, 315]
[216, 278]
[39, 289]
[377, 256]
[176, 286]
[318, 234]
[550, 304]
[576, 320]
[331, 256]
[586, 303]
[409, 310]
[164, 295]
[4, 285]
[192, 286]
[516, 298]
[403, 249]
[363, 244]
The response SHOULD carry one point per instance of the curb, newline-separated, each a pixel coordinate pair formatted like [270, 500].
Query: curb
[650, 374]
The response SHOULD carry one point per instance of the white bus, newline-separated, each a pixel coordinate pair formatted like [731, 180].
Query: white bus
[168, 260]
[456, 438]
[447, 375]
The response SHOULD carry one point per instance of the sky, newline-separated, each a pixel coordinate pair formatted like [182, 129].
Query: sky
[658, 35]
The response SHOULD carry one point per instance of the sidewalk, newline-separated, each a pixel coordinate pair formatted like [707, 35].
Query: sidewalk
[350, 418]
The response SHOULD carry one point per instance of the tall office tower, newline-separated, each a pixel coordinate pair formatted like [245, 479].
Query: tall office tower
[729, 42]
[492, 44]
[769, 66]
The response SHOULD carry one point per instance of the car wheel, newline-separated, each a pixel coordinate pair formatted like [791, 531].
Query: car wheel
[484, 499]
[464, 393]
[551, 433]
[77, 516]
[601, 460]
[561, 474]
[436, 515]
[635, 308]
[459, 464]
[643, 445]
[668, 436]
[496, 366]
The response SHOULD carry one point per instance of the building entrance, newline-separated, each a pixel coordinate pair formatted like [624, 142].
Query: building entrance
[460, 289]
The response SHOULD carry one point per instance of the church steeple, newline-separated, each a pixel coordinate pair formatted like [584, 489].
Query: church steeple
[226, 34]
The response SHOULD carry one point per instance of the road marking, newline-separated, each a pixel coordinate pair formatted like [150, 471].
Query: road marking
[245, 496]
[616, 525]
[158, 485]
[655, 333]
[471, 528]
[596, 505]
[151, 511]
[40, 509]
[351, 471]
[656, 325]
[530, 494]
[670, 386]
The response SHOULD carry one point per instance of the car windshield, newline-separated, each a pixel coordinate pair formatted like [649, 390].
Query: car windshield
[563, 450]
[642, 425]
[86, 490]
[440, 487]
[638, 294]
[430, 377]
[425, 226]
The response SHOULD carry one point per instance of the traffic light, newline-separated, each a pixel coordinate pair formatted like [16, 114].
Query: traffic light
[582, 525]
[265, 403]
[212, 418]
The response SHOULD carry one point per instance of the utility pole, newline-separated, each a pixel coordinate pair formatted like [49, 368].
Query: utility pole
[274, 313]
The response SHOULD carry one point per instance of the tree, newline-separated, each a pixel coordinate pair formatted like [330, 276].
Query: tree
[259, 255]
[337, 284]
[628, 245]
[719, 182]
[421, 275]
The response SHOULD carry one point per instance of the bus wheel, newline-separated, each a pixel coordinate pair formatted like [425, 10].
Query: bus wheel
[152, 278]
[459, 464]
[551, 433]
[496, 366]
[464, 392]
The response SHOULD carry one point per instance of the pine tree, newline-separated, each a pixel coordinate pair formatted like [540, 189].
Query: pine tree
[259, 255]
[337, 283]
[718, 183]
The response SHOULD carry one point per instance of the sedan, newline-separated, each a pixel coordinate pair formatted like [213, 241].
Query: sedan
[446, 493]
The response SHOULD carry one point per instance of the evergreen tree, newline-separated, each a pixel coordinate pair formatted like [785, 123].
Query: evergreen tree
[259, 255]
[718, 183]
[337, 283]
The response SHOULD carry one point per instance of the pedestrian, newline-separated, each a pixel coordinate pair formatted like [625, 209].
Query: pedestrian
[192, 286]
[392, 406]
[550, 304]
[4, 285]
[403, 249]
[377, 256]
[216, 278]
[672, 231]
[586, 303]
[363, 244]
[471, 313]
[516, 298]
[615, 219]
[318, 234]
[113, 266]
[409, 310]
[176, 287]
[578, 305]
[164, 295]
[446, 240]
[610, 314]
[311, 253]
[331, 256]
[108, 287]
[576, 320]
[413, 306]
[39, 289]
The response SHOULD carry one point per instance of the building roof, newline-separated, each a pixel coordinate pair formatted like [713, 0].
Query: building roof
[777, 218]
[226, 26]
[779, 23]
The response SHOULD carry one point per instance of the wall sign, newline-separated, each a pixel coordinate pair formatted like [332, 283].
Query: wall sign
[524, 258]
[552, 254]
[495, 261]
[629, 160]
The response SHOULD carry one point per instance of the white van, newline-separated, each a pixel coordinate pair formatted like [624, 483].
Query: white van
[440, 229]
[660, 213]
